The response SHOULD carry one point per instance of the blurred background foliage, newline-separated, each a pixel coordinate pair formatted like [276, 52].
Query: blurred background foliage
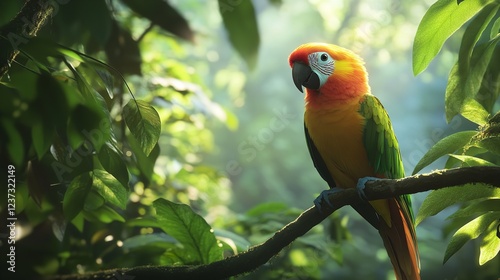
[231, 144]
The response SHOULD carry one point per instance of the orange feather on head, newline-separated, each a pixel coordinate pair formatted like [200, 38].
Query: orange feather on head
[349, 82]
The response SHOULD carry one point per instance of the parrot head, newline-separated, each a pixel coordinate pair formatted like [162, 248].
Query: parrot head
[328, 72]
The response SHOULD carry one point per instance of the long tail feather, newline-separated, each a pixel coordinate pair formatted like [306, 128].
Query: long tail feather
[400, 243]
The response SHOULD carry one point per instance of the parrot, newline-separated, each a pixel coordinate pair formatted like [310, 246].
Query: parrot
[351, 140]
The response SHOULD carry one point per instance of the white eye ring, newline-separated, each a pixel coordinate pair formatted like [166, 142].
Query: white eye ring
[322, 64]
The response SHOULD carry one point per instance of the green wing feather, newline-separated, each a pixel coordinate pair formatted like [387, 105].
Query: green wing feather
[382, 146]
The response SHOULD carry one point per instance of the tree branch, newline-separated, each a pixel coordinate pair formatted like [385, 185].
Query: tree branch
[260, 254]
[21, 28]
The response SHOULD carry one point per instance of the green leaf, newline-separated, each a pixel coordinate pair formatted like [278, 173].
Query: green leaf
[144, 123]
[495, 29]
[144, 163]
[438, 200]
[87, 123]
[477, 207]
[241, 25]
[160, 12]
[103, 214]
[93, 201]
[490, 246]
[51, 101]
[42, 138]
[110, 188]
[445, 146]
[75, 195]
[470, 231]
[15, 145]
[464, 86]
[111, 159]
[190, 229]
[474, 112]
[154, 239]
[472, 161]
[473, 33]
[236, 242]
[440, 21]
[268, 207]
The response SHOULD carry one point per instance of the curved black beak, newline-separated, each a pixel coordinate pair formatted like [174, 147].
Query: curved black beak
[303, 75]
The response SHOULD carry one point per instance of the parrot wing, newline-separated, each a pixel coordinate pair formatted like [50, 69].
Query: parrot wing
[383, 154]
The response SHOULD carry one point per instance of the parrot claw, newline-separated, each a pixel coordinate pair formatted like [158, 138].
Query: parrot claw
[324, 197]
[361, 186]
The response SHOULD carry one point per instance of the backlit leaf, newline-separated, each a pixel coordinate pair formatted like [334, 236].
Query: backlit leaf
[440, 199]
[440, 21]
[190, 229]
[470, 231]
[144, 123]
[443, 147]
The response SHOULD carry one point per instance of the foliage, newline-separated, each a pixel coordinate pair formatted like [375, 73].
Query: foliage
[472, 90]
[113, 131]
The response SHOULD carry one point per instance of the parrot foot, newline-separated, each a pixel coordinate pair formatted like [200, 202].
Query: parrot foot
[361, 186]
[324, 197]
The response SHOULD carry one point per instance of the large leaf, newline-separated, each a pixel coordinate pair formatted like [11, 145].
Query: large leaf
[76, 194]
[464, 86]
[473, 33]
[144, 123]
[443, 147]
[160, 12]
[470, 231]
[440, 21]
[490, 246]
[190, 229]
[241, 25]
[478, 207]
[438, 200]
[111, 159]
[110, 188]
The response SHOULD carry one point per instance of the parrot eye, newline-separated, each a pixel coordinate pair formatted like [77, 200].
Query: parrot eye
[322, 63]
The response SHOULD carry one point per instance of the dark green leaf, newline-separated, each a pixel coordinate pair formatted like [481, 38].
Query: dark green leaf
[123, 51]
[93, 201]
[445, 146]
[470, 231]
[241, 25]
[495, 29]
[490, 246]
[154, 239]
[87, 123]
[161, 13]
[75, 195]
[236, 242]
[42, 138]
[51, 101]
[270, 207]
[190, 229]
[438, 200]
[144, 123]
[103, 214]
[490, 86]
[144, 163]
[440, 21]
[112, 160]
[15, 143]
